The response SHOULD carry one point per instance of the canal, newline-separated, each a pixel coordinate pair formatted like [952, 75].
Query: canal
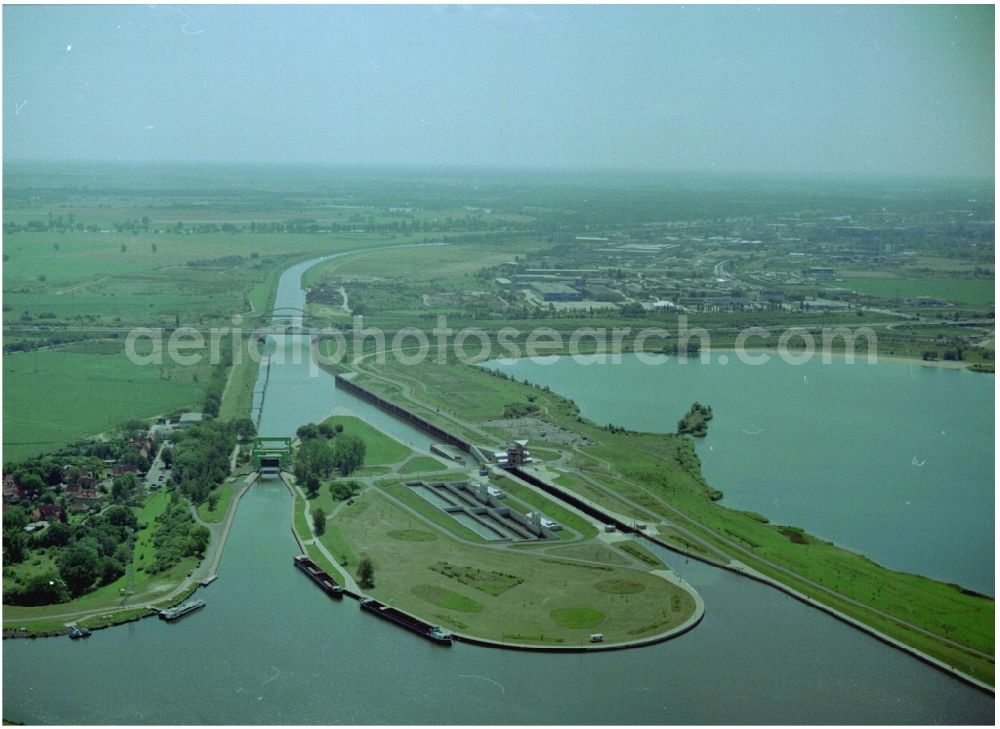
[270, 648]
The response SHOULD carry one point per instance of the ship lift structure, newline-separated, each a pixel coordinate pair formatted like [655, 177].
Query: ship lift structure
[271, 454]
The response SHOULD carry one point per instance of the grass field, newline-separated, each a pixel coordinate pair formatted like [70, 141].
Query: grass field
[574, 483]
[51, 397]
[421, 464]
[480, 397]
[237, 399]
[427, 263]
[541, 600]
[976, 292]
[225, 491]
[380, 449]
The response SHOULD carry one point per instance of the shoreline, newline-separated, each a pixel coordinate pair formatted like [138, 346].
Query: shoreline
[181, 592]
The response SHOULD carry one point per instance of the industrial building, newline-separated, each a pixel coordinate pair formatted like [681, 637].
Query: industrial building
[557, 292]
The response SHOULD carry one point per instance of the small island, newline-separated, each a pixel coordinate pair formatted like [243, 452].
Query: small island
[696, 421]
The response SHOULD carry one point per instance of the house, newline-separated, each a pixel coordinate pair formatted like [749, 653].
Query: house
[121, 469]
[146, 445]
[188, 420]
[12, 490]
[50, 513]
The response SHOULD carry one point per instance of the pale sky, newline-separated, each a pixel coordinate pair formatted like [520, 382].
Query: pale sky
[786, 89]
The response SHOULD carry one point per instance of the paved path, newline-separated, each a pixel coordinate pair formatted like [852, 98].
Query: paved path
[349, 583]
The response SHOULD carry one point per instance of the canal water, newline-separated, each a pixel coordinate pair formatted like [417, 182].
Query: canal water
[270, 648]
[893, 460]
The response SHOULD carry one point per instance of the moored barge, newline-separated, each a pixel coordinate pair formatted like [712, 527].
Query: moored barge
[321, 578]
[432, 632]
[181, 610]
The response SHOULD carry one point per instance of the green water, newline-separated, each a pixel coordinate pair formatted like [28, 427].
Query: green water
[892, 460]
[270, 648]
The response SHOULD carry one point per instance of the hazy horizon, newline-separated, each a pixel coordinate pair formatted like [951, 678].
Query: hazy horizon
[776, 90]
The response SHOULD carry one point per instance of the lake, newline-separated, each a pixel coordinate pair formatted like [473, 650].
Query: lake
[893, 460]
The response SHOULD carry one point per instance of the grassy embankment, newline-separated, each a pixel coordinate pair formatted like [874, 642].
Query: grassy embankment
[661, 473]
[225, 493]
[148, 589]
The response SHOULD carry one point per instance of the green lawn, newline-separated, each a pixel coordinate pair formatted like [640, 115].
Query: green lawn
[505, 595]
[380, 449]
[52, 397]
[421, 464]
[572, 482]
[225, 492]
[338, 547]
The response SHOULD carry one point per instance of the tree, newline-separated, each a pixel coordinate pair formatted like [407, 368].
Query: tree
[343, 490]
[326, 430]
[57, 535]
[198, 539]
[15, 545]
[42, 589]
[79, 566]
[313, 462]
[632, 309]
[32, 484]
[124, 488]
[244, 427]
[167, 456]
[14, 520]
[309, 431]
[348, 454]
[120, 516]
[124, 248]
[319, 521]
[134, 428]
[366, 573]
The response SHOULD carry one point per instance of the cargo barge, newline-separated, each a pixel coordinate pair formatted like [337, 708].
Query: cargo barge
[181, 610]
[432, 632]
[321, 578]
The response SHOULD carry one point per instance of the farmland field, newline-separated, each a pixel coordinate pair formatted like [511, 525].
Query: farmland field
[962, 291]
[52, 397]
